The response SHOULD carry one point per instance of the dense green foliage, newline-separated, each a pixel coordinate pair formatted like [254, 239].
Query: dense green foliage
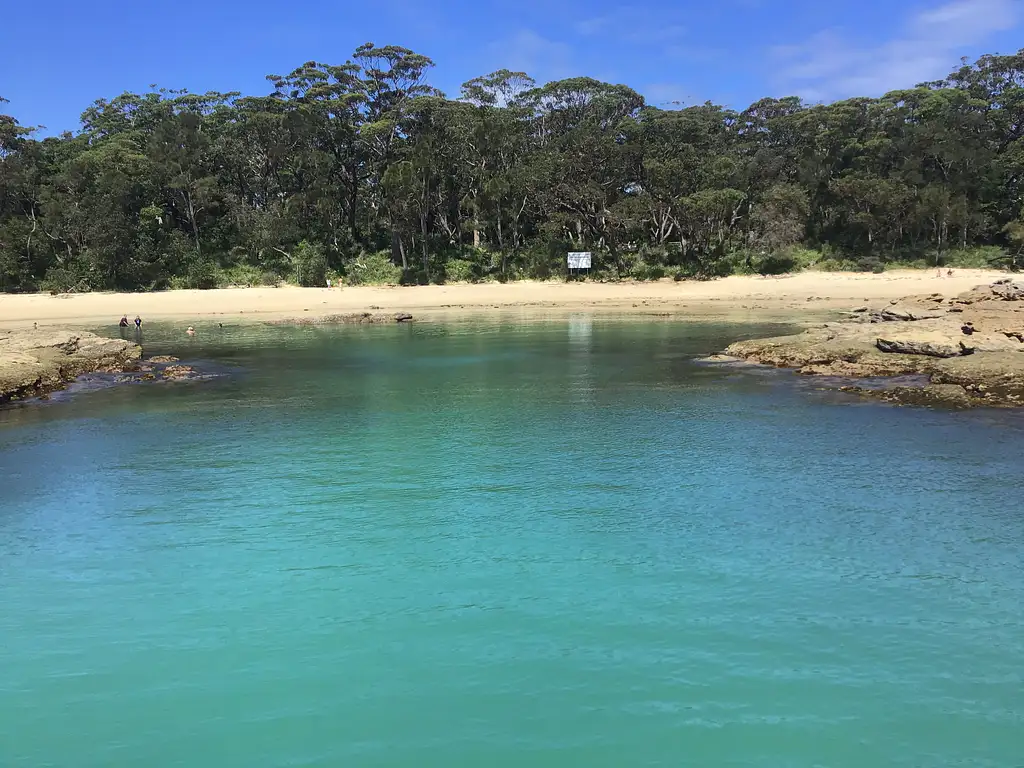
[365, 171]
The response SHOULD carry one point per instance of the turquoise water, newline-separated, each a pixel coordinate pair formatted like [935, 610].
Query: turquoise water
[505, 544]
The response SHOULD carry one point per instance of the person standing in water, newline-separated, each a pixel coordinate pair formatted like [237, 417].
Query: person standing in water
[191, 331]
[124, 321]
[138, 323]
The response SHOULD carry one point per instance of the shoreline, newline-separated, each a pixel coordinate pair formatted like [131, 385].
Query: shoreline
[739, 298]
[38, 359]
[962, 350]
[35, 363]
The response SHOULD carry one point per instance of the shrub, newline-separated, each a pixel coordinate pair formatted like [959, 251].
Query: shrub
[776, 264]
[201, 274]
[310, 264]
[981, 257]
[240, 274]
[805, 258]
[374, 269]
[642, 270]
[460, 271]
[65, 280]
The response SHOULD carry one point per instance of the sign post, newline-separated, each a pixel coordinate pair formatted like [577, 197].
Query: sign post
[578, 260]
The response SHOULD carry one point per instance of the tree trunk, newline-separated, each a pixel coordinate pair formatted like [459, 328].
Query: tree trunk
[423, 244]
[353, 224]
[397, 251]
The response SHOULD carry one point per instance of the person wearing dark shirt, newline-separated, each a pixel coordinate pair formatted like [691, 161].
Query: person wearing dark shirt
[124, 322]
[138, 323]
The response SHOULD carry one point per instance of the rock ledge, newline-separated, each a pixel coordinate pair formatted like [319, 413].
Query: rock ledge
[969, 349]
[37, 362]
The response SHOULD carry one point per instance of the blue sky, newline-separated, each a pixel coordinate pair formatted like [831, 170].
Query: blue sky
[57, 57]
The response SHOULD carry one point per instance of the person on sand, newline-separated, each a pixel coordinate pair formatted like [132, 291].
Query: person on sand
[191, 331]
[328, 283]
[124, 322]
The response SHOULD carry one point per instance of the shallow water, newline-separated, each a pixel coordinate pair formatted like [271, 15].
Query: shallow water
[555, 543]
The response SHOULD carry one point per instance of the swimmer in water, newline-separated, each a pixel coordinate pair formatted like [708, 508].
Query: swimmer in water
[191, 331]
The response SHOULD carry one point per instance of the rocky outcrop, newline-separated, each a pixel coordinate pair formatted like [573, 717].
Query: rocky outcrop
[938, 345]
[37, 362]
[356, 318]
[969, 348]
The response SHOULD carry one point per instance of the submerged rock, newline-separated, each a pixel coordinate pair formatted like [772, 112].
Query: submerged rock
[354, 318]
[178, 372]
[940, 395]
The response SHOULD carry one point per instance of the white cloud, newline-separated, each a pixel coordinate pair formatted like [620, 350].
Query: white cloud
[828, 66]
[633, 24]
[526, 51]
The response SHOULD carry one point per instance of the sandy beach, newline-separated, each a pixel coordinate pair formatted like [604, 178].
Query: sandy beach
[734, 297]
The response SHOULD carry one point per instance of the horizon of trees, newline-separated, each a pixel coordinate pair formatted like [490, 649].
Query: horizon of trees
[365, 171]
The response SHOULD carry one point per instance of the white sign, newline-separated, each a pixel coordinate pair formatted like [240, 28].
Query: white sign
[579, 260]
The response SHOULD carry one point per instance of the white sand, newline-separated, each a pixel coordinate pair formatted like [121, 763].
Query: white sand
[735, 297]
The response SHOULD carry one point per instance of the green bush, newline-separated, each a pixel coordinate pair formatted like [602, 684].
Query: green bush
[642, 270]
[270, 279]
[776, 264]
[541, 263]
[201, 274]
[241, 275]
[310, 264]
[805, 258]
[374, 269]
[982, 257]
[65, 280]
[460, 271]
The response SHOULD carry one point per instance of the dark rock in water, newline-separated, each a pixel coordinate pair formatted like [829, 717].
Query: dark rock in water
[178, 372]
[403, 317]
[942, 395]
[162, 359]
[719, 359]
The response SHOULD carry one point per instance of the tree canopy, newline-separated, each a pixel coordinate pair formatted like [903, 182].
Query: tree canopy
[364, 168]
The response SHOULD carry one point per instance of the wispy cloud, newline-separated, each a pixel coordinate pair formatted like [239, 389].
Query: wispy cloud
[830, 66]
[633, 24]
[527, 51]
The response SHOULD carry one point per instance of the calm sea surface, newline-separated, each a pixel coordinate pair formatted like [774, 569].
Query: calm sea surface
[557, 543]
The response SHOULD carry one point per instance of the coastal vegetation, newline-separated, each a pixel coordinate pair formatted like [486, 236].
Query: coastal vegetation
[365, 173]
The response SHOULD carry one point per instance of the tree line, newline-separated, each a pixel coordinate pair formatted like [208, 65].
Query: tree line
[366, 172]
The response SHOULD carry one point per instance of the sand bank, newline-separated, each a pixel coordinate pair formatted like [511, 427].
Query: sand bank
[734, 297]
